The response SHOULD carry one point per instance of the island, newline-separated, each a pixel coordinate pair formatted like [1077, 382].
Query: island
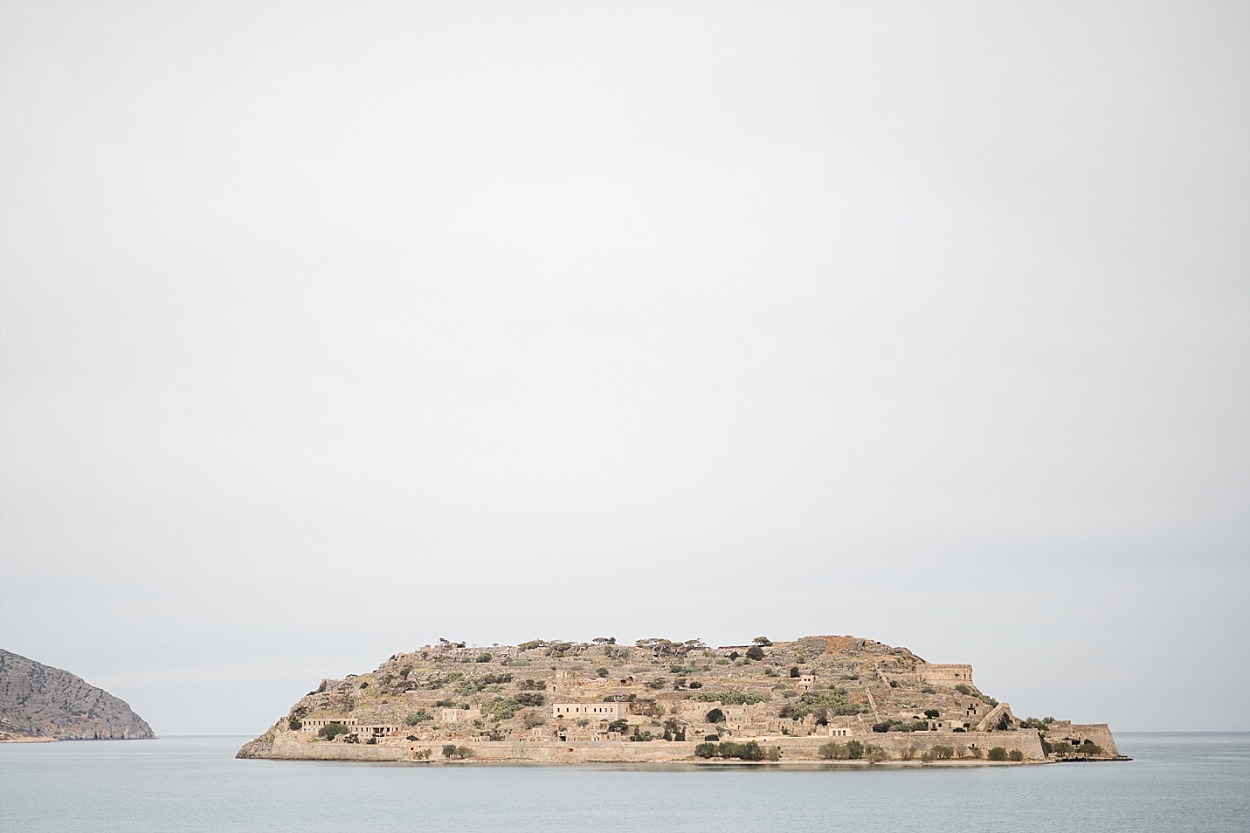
[819, 699]
[41, 703]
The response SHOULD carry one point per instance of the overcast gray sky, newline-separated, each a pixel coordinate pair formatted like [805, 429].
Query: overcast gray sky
[330, 329]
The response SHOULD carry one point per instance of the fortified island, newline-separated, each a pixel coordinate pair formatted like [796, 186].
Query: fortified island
[819, 698]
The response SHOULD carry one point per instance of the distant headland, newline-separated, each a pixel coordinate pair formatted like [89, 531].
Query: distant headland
[41, 703]
[817, 699]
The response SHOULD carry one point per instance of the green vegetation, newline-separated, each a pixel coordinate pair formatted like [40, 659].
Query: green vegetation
[330, 731]
[963, 688]
[755, 652]
[939, 753]
[450, 750]
[501, 708]
[419, 716]
[732, 697]
[531, 698]
[715, 716]
[997, 754]
[833, 702]
[749, 751]
[1016, 755]
[852, 750]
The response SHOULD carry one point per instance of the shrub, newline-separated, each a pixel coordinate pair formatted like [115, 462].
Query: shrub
[794, 671]
[372, 741]
[621, 726]
[854, 749]
[755, 652]
[932, 713]
[538, 685]
[1089, 748]
[705, 750]
[293, 723]
[530, 698]
[696, 684]
[882, 727]
[483, 658]
[419, 716]
[450, 750]
[874, 753]
[332, 730]
[1016, 755]
[602, 672]
[997, 754]
[733, 697]
[963, 689]
[501, 708]
[734, 654]
[832, 751]
[942, 753]
[749, 751]
[716, 716]
[833, 701]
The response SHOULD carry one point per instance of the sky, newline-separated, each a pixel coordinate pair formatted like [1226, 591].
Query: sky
[330, 329]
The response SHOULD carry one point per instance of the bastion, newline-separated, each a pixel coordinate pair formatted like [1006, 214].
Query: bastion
[819, 699]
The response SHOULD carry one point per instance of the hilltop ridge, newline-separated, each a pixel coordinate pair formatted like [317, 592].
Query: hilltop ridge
[814, 698]
[39, 702]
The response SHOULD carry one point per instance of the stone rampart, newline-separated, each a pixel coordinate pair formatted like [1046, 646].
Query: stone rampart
[949, 675]
[897, 745]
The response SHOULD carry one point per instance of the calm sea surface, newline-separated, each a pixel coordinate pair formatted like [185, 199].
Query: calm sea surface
[1178, 782]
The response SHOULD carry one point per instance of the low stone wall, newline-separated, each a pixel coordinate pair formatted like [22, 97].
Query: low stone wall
[897, 745]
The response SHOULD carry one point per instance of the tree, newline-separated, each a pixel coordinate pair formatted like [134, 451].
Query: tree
[716, 716]
[997, 754]
[332, 730]
[762, 640]
[794, 672]
[755, 652]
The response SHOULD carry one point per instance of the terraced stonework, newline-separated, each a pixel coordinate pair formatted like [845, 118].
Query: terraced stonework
[819, 698]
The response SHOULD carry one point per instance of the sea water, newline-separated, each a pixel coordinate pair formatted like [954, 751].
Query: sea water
[1176, 782]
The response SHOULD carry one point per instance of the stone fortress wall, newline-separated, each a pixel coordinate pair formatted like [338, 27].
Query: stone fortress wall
[608, 703]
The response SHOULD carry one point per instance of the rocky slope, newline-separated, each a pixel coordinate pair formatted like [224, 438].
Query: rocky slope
[664, 700]
[38, 701]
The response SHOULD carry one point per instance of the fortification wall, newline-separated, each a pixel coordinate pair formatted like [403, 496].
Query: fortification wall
[949, 675]
[1099, 733]
[898, 745]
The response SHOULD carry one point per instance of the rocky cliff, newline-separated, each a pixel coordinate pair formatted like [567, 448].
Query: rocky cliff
[38, 701]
